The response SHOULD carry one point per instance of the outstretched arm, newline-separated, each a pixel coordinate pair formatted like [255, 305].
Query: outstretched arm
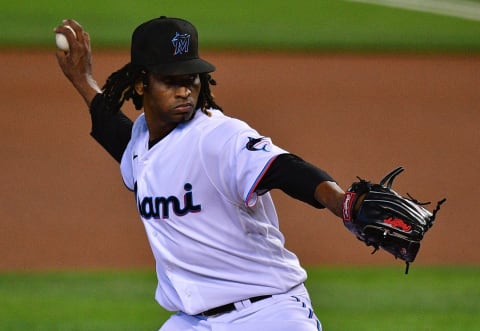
[76, 63]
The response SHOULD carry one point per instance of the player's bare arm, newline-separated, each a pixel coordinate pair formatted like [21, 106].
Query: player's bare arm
[76, 63]
[331, 196]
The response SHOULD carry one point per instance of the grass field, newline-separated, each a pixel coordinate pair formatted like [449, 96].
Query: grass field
[364, 298]
[320, 25]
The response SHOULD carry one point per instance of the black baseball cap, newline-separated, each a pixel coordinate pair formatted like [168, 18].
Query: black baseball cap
[168, 46]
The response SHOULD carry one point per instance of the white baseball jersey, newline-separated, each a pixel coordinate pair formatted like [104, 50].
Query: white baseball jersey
[215, 241]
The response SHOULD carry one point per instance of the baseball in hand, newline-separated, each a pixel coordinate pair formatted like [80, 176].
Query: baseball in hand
[62, 42]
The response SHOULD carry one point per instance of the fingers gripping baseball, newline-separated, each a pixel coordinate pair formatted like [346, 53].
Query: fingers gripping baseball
[69, 34]
[75, 58]
[61, 39]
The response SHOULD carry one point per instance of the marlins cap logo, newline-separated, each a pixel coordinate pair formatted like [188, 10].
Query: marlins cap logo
[181, 43]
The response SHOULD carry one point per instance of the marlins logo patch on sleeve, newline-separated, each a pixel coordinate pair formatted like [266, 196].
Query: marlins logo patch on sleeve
[259, 144]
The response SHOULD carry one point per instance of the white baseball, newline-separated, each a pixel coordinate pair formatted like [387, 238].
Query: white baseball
[61, 40]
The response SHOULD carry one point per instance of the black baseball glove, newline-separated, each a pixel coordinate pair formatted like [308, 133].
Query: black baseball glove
[381, 218]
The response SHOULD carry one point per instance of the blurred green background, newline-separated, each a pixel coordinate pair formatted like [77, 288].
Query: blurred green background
[364, 298]
[320, 25]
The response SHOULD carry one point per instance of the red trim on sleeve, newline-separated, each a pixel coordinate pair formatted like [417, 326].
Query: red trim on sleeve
[252, 195]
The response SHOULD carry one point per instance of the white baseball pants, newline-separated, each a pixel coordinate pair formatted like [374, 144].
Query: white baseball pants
[290, 311]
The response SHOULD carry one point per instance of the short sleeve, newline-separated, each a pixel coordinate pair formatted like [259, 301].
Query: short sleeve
[236, 157]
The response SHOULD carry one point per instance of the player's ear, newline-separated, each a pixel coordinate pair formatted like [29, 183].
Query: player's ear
[142, 82]
[140, 87]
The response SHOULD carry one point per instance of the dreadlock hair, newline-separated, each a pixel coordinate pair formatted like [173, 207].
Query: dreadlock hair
[206, 98]
[120, 87]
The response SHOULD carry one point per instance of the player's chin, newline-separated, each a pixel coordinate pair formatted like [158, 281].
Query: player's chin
[180, 116]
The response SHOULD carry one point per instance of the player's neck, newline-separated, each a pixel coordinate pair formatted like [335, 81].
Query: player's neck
[158, 134]
[158, 128]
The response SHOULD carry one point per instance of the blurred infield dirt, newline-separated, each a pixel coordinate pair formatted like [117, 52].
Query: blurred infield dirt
[64, 205]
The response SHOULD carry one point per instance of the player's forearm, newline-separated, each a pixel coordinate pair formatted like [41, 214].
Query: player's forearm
[331, 196]
[76, 60]
[87, 87]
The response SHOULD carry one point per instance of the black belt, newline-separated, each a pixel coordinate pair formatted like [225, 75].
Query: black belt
[230, 306]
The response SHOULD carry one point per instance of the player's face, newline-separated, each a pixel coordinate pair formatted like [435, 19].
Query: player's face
[170, 100]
